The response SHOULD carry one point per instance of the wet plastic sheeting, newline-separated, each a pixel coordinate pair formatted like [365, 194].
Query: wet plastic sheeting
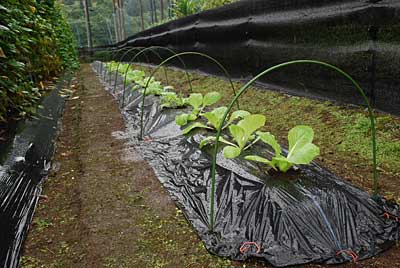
[25, 161]
[308, 216]
[361, 37]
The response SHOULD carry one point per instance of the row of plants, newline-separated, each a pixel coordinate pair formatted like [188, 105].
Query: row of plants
[247, 132]
[36, 44]
[244, 128]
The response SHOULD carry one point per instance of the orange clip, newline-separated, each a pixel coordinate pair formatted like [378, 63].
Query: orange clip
[350, 253]
[147, 139]
[247, 245]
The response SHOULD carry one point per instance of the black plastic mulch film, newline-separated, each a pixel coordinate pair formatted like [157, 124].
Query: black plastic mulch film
[360, 37]
[24, 163]
[309, 216]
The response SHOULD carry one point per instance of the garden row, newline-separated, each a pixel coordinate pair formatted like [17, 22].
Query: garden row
[241, 209]
[242, 135]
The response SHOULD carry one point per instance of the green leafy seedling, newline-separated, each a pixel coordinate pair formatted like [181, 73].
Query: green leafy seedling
[198, 103]
[123, 68]
[112, 66]
[172, 100]
[243, 133]
[133, 76]
[301, 149]
[215, 119]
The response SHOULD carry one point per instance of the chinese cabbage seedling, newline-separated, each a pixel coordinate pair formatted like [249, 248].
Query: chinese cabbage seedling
[133, 76]
[198, 103]
[172, 100]
[242, 133]
[301, 149]
[215, 119]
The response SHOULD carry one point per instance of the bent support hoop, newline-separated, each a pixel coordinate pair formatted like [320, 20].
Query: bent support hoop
[153, 49]
[251, 82]
[171, 58]
[130, 63]
[113, 54]
[119, 63]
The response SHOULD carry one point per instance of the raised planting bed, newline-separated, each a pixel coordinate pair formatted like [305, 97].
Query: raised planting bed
[304, 215]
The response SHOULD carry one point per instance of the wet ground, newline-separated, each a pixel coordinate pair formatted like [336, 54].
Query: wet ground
[103, 206]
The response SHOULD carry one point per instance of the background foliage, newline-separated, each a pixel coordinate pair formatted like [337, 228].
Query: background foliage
[183, 8]
[36, 44]
[103, 19]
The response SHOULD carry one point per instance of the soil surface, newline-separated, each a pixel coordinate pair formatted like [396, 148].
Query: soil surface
[103, 206]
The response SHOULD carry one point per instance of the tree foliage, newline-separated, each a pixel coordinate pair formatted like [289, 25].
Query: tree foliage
[35, 44]
[208, 4]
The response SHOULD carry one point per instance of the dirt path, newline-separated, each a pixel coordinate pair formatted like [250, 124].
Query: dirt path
[104, 206]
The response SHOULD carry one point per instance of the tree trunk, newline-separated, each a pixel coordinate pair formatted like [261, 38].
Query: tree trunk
[155, 11]
[87, 23]
[162, 9]
[170, 3]
[117, 21]
[151, 12]
[121, 18]
[141, 13]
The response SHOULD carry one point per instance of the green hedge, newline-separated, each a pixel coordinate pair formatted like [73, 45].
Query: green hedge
[36, 44]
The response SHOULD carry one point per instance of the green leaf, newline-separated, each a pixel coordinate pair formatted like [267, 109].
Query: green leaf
[215, 116]
[193, 126]
[211, 98]
[171, 100]
[3, 8]
[192, 116]
[238, 134]
[269, 139]
[260, 159]
[301, 149]
[181, 119]
[166, 88]
[211, 139]
[231, 152]
[236, 115]
[195, 100]
[251, 123]
[4, 28]
[282, 163]
[206, 141]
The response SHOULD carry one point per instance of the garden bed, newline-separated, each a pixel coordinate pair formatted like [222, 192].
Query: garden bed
[169, 154]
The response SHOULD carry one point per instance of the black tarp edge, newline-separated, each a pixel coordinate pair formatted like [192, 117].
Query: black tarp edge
[26, 162]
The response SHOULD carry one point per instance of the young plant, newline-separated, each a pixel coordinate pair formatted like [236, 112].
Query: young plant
[215, 119]
[172, 100]
[301, 149]
[132, 76]
[198, 103]
[242, 133]
[155, 88]
[112, 66]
